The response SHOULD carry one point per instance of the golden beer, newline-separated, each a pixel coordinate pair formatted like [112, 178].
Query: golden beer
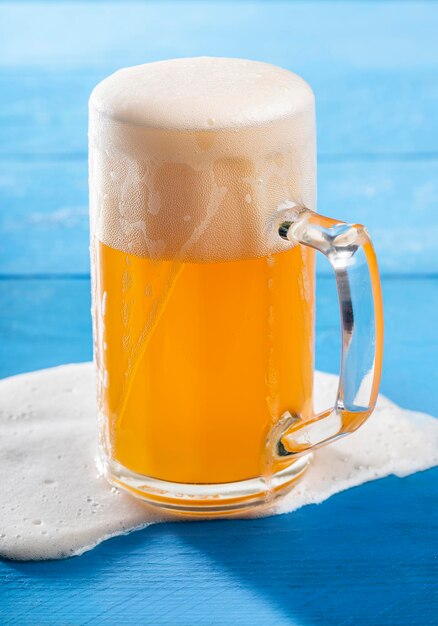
[200, 360]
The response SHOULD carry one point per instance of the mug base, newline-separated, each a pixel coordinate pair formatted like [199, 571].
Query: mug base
[218, 499]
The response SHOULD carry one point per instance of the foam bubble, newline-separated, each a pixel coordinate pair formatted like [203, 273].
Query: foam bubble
[199, 137]
[54, 505]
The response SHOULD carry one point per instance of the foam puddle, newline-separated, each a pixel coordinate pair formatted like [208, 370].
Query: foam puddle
[53, 505]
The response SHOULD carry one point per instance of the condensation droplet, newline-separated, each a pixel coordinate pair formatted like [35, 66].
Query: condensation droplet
[103, 303]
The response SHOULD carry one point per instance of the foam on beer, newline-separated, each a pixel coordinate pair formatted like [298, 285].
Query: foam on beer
[54, 504]
[191, 158]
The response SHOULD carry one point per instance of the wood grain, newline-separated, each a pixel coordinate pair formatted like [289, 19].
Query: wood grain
[367, 556]
[44, 212]
[358, 559]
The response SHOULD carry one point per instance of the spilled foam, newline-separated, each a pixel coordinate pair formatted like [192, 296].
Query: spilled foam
[191, 158]
[54, 505]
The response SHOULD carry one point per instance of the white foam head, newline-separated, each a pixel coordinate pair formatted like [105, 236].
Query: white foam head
[191, 158]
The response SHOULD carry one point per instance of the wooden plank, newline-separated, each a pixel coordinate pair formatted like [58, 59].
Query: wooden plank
[44, 217]
[376, 86]
[44, 222]
[253, 572]
[367, 556]
[47, 322]
[385, 35]
[364, 557]
[43, 323]
[371, 113]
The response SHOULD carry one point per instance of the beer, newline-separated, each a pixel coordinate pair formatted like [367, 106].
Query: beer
[198, 361]
[203, 314]
[203, 231]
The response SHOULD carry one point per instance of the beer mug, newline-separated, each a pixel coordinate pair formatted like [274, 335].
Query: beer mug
[203, 236]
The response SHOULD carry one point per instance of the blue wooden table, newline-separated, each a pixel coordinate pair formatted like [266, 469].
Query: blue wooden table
[367, 556]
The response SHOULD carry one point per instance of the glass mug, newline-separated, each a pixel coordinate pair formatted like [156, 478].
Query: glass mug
[203, 232]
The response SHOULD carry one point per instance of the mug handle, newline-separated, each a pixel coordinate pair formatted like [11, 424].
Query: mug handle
[351, 254]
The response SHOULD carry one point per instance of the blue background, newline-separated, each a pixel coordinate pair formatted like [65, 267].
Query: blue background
[367, 556]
